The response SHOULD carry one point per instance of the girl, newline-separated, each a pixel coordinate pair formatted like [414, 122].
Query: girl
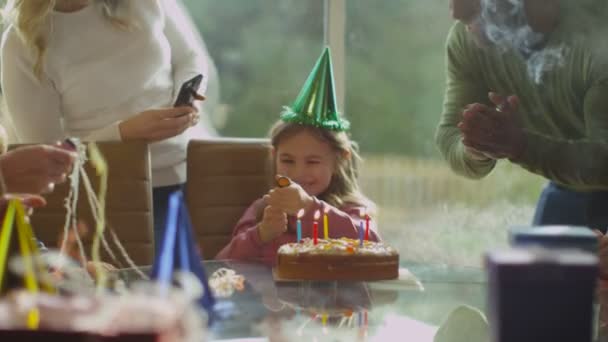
[323, 166]
[104, 70]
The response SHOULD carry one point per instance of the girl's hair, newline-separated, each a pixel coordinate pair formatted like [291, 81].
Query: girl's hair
[30, 19]
[343, 187]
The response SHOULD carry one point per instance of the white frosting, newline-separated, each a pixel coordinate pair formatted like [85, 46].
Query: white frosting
[342, 246]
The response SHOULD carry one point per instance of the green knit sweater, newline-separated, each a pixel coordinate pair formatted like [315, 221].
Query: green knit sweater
[565, 117]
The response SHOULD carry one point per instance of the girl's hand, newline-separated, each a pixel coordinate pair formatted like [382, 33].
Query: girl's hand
[290, 199]
[158, 124]
[274, 223]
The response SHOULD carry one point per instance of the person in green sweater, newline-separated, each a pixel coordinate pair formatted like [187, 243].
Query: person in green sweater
[527, 81]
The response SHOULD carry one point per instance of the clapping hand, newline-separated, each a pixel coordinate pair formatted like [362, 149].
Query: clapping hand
[493, 132]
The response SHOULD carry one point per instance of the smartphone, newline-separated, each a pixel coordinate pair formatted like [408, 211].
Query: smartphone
[187, 91]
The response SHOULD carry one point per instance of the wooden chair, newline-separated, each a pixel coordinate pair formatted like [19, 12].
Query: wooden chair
[225, 175]
[128, 203]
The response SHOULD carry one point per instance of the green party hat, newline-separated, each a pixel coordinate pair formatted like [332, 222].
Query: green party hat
[316, 103]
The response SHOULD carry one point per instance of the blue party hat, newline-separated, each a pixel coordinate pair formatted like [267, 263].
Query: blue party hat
[178, 251]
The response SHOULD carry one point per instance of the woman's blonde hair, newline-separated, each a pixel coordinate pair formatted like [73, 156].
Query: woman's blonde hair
[30, 18]
[343, 187]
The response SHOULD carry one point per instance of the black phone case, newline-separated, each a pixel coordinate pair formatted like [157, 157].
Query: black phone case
[186, 92]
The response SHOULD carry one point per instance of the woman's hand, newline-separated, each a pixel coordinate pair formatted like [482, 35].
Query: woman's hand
[274, 223]
[289, 199]
[158, 124]
[35, 169]
[29, 201]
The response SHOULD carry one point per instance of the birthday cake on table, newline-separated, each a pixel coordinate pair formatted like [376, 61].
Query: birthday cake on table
[337, 259]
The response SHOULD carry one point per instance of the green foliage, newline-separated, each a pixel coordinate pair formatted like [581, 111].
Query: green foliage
[264, 51]
[395, 74]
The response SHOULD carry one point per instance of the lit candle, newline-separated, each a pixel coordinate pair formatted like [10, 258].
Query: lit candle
[361, 229]
[299, 225]
[367, 227]
[315, 228]
[325, 225]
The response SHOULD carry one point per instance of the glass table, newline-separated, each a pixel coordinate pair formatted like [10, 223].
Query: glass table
[342, 311]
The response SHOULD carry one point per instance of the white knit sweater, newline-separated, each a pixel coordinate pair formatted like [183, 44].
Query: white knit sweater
[96, 75]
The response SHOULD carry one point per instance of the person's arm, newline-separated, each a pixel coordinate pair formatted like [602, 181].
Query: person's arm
[463, 87]
[187, 56]
[246, 243]
[3, 140]
[581, 164]
[34, 104]
[341, 223]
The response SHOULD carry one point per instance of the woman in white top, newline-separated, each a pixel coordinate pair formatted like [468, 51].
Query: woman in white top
[104, 70]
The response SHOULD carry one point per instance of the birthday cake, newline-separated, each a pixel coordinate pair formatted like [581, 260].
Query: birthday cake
[337, 259]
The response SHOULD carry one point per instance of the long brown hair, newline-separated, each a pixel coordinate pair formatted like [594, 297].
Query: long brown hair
[343, 187]
[30, 18]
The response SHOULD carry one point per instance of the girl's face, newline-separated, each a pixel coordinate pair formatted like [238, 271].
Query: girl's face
[307, 160]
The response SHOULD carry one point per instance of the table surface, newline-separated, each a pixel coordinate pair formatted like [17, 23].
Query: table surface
[345, 311]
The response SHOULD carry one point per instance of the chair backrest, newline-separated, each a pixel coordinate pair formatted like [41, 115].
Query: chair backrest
[128, 204]
[225, 175]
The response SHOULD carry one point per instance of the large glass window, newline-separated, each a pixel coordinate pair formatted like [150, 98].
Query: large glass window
[394, 91]
[394, 79]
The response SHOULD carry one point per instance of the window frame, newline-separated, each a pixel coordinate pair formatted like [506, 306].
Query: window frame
[334, 37]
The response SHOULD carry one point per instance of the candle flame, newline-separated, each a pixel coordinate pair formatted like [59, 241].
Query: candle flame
[317, 215]
[326, 209]
[300, 213]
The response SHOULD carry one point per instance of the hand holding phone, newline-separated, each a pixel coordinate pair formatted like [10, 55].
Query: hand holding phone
[188, 92]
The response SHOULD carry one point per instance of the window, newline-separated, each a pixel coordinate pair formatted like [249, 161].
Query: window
[389, 54]
[263, 49]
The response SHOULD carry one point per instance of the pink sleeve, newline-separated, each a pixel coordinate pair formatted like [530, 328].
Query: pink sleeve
[245, 243]
[342, 222]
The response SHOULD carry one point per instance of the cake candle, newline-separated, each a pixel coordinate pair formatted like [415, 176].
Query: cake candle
[325, 224]
[299, 225]
[315, 228]
[367, 227]
[361, 233]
